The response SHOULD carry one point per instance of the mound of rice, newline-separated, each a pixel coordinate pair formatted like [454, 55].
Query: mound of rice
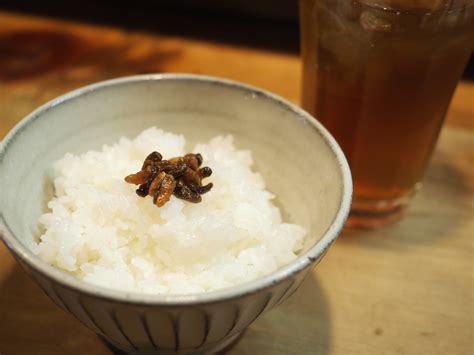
[100, 231]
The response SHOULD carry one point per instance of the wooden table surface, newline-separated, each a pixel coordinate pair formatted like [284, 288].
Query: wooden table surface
[404, 289]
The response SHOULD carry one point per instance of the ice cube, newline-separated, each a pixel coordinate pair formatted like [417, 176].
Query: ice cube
[371, 22]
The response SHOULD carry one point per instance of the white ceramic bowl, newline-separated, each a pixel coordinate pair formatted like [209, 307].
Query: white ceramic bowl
[300, 161]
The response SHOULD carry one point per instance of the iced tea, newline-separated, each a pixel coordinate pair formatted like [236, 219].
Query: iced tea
[380, 78]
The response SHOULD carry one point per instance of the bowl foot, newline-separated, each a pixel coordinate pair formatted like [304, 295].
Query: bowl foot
[218, 349]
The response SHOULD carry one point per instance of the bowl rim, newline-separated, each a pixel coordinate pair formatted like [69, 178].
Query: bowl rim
[303, 261]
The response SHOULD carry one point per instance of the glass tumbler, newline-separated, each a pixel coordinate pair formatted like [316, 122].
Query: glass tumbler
[379, 75]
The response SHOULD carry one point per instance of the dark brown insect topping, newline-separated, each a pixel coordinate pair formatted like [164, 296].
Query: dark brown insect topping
[181, 176]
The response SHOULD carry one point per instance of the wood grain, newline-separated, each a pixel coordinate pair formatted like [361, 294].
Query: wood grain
[404, 289]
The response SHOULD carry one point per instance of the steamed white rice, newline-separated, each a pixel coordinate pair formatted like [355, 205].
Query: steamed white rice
[100, 231]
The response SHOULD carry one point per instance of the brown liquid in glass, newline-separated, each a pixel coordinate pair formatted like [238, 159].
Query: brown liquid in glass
[381, 81]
